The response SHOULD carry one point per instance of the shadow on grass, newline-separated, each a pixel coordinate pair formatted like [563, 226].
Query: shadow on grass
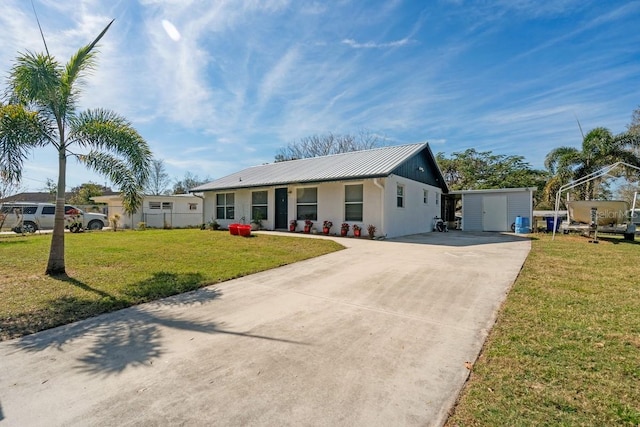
[617, 240]
[112, 342]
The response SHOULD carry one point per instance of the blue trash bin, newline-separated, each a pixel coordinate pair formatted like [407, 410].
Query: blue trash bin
[550, 220]
[522, 225]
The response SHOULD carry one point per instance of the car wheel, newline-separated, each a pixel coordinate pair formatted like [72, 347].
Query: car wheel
[29, 227]
[96, 225]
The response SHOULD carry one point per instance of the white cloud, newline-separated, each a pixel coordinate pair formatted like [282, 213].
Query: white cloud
[372, 45]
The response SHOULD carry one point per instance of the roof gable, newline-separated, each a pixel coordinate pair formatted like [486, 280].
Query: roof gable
[378, 162]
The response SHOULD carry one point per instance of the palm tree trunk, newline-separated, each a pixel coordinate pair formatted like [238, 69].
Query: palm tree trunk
[55, 266]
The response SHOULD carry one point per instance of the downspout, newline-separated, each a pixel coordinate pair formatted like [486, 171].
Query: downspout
[382, 202]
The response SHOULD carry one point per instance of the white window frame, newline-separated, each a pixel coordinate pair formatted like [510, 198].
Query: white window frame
[193, 206]
[298, 204]
[400, 196]
[155, 205]
[352, 203]
[264, 205]
[425, 196]
[225, 206]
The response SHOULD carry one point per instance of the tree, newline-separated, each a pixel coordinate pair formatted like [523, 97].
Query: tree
[158, 179]
[52, 188]
[42, 110]
[324, 145]
[8, 188]
[634, 126]
[82, 194]
[473, 170]
[599, 149]
[188, 182]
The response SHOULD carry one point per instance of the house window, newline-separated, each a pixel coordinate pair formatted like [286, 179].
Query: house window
[193, 206]
[225, 206]
[155, 205]
[259, 205]
[425, 197]
[437, 198]
[400, 196]
[353, 202]
[307, 203]
[167, 205]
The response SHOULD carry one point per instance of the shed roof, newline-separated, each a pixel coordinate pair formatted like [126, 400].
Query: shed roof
[377, 162]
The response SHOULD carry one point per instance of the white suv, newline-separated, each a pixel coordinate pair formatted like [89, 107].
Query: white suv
[40, 216]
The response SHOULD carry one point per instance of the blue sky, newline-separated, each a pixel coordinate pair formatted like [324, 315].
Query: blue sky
[216, 86]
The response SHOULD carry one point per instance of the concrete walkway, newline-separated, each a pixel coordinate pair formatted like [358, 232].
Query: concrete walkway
[377, 334]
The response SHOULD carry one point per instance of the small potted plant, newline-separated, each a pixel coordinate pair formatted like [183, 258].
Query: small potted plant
[371, 229]
[326, 227]
[292, 225]
[357, 230]
[307, 225]
[344, 229]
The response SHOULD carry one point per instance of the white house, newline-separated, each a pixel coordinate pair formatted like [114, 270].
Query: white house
[397, 189]
[173, 211]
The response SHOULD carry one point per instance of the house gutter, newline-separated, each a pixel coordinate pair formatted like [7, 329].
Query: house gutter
[381, 187]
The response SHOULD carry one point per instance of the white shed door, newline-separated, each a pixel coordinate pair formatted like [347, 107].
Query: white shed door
[494, 213]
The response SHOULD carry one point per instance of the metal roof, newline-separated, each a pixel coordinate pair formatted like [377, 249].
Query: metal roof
[378, 162]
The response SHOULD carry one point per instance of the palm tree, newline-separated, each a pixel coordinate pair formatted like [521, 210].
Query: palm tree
[599, 149]
[41, 110]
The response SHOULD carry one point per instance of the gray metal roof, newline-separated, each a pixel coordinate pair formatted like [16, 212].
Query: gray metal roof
[377, 162]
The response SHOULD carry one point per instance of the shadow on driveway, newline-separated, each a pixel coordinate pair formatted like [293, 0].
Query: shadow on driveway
[462, 238]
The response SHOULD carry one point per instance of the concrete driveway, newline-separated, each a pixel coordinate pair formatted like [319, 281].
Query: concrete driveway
[377, 334]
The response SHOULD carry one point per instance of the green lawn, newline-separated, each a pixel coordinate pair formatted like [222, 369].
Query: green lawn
[108, 271]
[565, 350]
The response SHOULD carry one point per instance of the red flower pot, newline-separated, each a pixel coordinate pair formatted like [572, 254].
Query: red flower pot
[307, 229]
[233, 229]
[356, 233]
[325, 230]
[292, 228]
[244, 230]
[343, 232]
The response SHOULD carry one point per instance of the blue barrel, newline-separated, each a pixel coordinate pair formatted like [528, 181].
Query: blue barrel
[550, 221]
[522, 225]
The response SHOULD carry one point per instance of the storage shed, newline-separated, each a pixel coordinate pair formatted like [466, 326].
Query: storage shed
[495, 209]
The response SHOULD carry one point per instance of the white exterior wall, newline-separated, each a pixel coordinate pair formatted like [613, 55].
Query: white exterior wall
[379, 206]
[519, 203]
[177, 217]
[415, 216]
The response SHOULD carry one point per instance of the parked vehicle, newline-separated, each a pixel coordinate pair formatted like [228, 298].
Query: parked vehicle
[30, 217]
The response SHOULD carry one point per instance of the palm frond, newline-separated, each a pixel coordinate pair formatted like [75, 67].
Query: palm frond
[561, 158]
[20, 131]
[117, 150]
[35, 79]
[120, 173]
[82, 60]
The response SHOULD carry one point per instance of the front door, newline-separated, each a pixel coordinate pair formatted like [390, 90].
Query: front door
[494, 213]
[282, 208]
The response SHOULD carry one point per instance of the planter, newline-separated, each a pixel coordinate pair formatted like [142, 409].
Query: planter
[244, 230]
[233, 229]
[344, 232]
[307, 229]
[356, 233]
[292, 228]
[326, 230]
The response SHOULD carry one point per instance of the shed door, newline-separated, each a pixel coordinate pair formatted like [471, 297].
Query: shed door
[281, 208]
[494, 213]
